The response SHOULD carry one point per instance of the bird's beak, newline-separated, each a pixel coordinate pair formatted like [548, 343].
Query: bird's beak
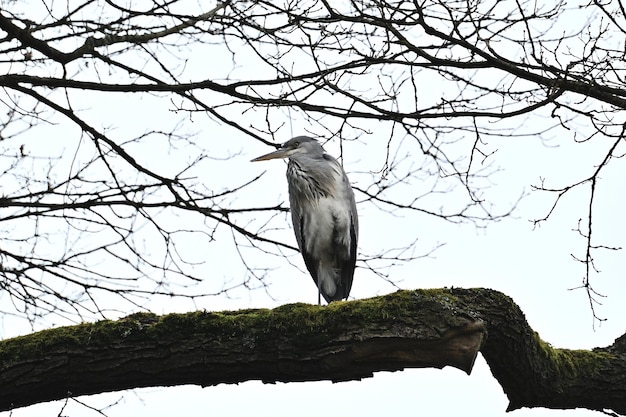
[281, 153]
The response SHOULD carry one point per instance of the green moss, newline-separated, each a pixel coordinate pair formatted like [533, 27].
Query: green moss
[439, 294]
[38, 344]
[308, 323]
[571, 364]
[304, 320]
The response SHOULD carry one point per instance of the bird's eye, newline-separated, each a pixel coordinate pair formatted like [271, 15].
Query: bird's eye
[296, 144]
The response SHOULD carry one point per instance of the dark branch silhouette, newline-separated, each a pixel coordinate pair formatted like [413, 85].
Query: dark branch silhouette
[299, 342]
[98, 209]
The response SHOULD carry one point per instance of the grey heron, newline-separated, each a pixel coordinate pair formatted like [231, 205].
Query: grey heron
[323, 212]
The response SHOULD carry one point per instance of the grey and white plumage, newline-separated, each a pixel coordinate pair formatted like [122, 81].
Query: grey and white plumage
[324, 215]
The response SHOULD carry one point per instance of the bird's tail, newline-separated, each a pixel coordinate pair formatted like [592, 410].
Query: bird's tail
[327, 280]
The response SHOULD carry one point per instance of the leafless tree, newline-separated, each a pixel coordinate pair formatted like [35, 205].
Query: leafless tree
[92, 195]
[119, 120]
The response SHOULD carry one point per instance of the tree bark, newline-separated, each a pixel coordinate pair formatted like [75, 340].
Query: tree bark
[299, 342]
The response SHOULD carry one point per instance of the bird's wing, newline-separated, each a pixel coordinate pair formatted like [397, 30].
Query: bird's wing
[347, 266]
[298, 227]
[310, 263]
[347, 272]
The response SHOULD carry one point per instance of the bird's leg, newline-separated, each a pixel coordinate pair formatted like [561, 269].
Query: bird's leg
[319, 291]
[319, 285]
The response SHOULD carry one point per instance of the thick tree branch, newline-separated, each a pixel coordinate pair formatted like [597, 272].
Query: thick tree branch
[298, 342]
[91, 43]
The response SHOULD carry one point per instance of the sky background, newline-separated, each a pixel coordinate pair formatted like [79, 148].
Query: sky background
[531, 264]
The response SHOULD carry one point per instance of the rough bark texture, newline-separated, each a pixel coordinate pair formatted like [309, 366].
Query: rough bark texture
[298, 342]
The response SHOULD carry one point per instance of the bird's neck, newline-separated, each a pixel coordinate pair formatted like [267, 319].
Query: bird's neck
[307, 182]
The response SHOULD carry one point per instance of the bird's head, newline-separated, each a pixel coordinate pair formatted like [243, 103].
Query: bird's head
[300, 145]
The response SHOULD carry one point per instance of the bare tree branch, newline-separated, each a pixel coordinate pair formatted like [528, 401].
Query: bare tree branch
[297, 342]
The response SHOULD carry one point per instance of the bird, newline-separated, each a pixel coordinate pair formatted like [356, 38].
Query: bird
[324, 215]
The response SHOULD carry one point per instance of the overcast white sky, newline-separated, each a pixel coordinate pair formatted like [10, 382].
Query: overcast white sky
[534, 267]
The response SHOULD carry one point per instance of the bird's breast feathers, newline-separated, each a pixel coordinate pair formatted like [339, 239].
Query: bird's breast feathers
[328, 219]
[315, 184]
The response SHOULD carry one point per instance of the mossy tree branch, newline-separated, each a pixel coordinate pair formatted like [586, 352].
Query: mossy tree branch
[298, 342]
